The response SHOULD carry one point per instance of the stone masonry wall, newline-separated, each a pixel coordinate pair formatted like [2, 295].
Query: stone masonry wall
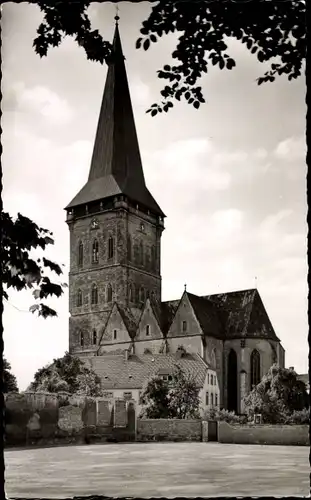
[168, 430]
[44, 419]
[290, 435]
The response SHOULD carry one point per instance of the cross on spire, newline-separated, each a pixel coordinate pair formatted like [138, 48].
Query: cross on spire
[117, 14]
[185, 285]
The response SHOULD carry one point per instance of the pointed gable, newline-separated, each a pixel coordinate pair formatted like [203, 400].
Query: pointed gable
[116, 328]
[207, 315]
[116, 166]
[185, 322]
[149, 327]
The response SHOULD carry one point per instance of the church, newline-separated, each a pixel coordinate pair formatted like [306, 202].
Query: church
[118, 321]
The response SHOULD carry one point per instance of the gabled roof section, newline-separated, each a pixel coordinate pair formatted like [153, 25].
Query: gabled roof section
[168, 311]
[243, 313]
[207, 315]
[116, 372]
[128, 320]
[116, 166]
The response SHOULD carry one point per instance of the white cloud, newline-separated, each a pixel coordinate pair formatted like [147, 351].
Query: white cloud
[44, 101]
[226, 223]
[291, 149]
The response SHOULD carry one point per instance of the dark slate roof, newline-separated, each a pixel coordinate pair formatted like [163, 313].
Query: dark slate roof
[116, 372]
[304, 377]
[207, 315]
[243, 313]
[129, 320]
[168, 311]
[116, 166]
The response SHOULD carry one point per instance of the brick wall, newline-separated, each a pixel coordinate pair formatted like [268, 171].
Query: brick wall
[294, 435]
[168, 430]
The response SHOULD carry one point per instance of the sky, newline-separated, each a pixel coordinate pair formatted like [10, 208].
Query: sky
[230, 177]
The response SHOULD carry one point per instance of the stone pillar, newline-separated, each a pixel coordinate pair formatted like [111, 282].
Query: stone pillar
[242, 390]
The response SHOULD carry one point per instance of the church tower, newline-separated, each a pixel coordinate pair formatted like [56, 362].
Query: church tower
[114, 222]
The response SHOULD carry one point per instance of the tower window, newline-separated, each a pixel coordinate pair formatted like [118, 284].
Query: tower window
[94, 337]
[142, 295]
[137, 293]
[206, 399]
[95, 252]
[110, 247]
[81, 339]
[153, 258]
[109, 293]
[147, 330]
[141, 253]
[94, 294]
[114, 334]
[79, 298]
[184, 326]
[129, 248]
[216, 399]
[80, 254]
[212, 399]
[212, 379]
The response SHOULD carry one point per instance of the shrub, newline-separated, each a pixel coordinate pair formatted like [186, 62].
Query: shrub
[224, 415]
[299, 417]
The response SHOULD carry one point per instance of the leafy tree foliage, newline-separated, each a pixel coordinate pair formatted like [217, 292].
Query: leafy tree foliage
[9, 380]
[178, 398]
[231, 417]
[67, 374]
[273, 32]
[279, 394]
[19, 270]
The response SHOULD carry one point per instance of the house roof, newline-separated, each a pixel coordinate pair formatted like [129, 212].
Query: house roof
[116, 372]
[116, 166]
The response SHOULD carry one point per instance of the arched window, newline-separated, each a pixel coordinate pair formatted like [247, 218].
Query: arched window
[94, 337]
[141, 253]
[130, 293]
[153, 258]
[142, 294]
[232, 381]
[94, 294]
[95, 252]
[109, 293]
[79, 298]
[255, 368]
[110, 247]
[274, 357]
[81, 339]
[136, 293]
[80, 254]
[129, 248]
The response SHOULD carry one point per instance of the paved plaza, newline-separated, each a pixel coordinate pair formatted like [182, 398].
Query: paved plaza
[158, 469]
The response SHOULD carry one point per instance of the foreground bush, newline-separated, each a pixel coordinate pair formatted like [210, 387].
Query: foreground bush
[224, 415]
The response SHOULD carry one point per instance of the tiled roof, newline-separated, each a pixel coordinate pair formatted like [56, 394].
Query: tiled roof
[243, 313]
[116, 372]
[129, 320]
[207, 315]
[168, 310]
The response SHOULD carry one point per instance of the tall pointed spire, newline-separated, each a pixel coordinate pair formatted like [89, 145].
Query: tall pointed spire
[116, 166]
